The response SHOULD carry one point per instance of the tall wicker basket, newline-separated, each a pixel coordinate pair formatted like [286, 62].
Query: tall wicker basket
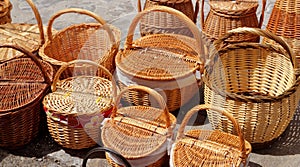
[98, 42]
[139, 133]
[257, 83]
[5, 8]
[159, 22]
[225, 15]
[168, 63]
[23, 84]
[200, 147]
[78, 104]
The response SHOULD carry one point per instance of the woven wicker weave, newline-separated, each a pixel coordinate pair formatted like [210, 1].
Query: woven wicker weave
[167, 62]
[28, 36]
[77, 106]
[139, 133]
[198, 147]
[5, 8]
[89, 41]
[23, 83]
[225, 15]
[160, 22]
[256, 83]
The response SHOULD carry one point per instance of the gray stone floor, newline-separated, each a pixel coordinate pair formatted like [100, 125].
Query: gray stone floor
[43, 151]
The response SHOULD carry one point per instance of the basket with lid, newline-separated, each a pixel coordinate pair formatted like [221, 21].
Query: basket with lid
[5, 8]
[98, 42]
[167, 63]
[139, 133]
[23, 83]
[257, 83]
[78, 104]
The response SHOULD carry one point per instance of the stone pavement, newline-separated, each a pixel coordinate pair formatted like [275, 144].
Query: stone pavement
[43, 151]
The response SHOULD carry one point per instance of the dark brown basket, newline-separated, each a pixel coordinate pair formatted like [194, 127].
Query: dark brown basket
[23, 84]
[5, 8]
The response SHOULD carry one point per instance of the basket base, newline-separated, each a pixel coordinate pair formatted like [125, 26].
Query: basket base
[264, 145]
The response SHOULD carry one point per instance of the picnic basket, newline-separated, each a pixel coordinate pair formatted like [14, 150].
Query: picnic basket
[159, 22]
[225, 15]
[139, 133]
[98, 42]
[257, 83]
[203, 147]
[77, 105]
[28, 36]
[23, 83]
[5, 8]
[167, 63]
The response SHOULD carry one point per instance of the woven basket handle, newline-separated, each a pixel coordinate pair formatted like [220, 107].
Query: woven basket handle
[180, 133]
[5, 7]
[66, 65]
[83, 12]
[32, 57]
[196, 10]
[152, 92]
[108, 150]
[194, 29]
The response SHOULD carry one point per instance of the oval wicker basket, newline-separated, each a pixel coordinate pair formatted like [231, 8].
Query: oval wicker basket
[5, 8]
[168, 63]
[139, 133]
[225, 15]
[23, 84]
[98, 42]
[78, 104]
[257, 83]
[27, 36]
[200, 147]
[160, 22]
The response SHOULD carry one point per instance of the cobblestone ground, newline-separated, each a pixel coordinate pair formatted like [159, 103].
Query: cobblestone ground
[43, 151]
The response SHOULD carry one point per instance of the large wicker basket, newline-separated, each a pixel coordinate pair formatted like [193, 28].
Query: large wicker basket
[200, 147]
[225, 15]
[27, 36]
[98, 42]
[23, 84]
[168, 63]
[77, 105]
[257, 83]
[139, 133]
[5, 8]
[160, 22]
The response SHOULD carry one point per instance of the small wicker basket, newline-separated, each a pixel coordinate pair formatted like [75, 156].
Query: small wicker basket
[199, 147]
[77, 105]
[98, 42]
[168, 63]
[139, 133]
[257, 83]
[5, 8]
[23, 84]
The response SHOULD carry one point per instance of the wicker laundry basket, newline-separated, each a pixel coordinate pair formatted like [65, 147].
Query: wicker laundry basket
[5, 8]
[89, 41]
[257, 83]
[23, 84]
[200, 147]
[168, 63]
[139, 133]
[225, 15]
[160, 22]
[78, 104]
[28, 36]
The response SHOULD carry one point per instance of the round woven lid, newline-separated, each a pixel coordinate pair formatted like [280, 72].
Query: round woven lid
[21, 83]
[233, 7]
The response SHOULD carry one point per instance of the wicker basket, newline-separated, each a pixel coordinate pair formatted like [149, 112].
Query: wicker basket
[23, 84]
[200, 147]
[139, 133]
[284, 22]
[165, 62]
[98, 42]
[159, 22]
[256, 83]
[111, 152]
[225, 15]
[77, 105]
[5, 8]
[27, 36]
